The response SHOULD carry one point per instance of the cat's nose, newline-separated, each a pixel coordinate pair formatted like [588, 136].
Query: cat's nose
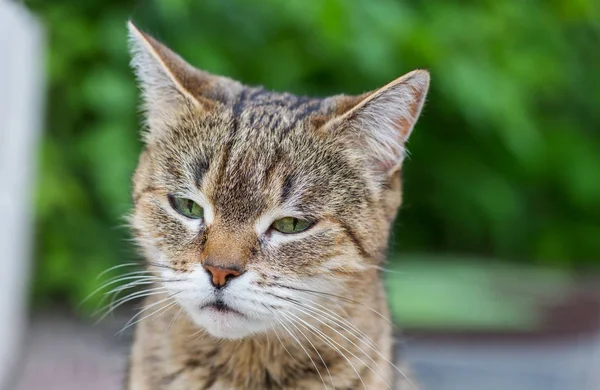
[219, 276]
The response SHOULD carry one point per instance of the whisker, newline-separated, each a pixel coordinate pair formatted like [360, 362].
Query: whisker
[105, 285]
[346, 349]
[132, 295]
[321, 293]
[161, 310]
[279, 338]
[137, 281]
[328, 341]
[114, 268]
[113, 305]
[329, 313]
[304, 349]
[143, 272]
[142, 281]
[162, 301]
[159, 265]
[175, 318]
[115, 291]
[200, 332]
[318, 354]
[360, 349]
[320, 357]
[384, 269]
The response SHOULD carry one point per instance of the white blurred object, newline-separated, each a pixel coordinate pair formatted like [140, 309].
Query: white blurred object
[21, 90]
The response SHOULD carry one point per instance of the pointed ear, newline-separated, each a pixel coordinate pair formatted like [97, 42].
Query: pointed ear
[169, 84]
[378, 125]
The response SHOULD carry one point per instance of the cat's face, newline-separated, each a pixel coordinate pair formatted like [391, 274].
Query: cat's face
[256, 208]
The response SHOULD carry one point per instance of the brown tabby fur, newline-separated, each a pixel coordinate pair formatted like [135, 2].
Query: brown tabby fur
[313, 308]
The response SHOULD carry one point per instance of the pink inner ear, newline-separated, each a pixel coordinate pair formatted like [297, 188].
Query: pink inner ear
[416, 103]
[379, 123]
[385, 166]
[404, 126]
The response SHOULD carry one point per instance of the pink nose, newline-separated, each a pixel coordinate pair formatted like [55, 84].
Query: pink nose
[220, 276]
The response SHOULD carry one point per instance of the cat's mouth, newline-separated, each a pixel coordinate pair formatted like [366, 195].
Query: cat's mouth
[220, 307]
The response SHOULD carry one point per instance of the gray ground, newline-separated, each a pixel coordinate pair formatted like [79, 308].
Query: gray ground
[64, 354]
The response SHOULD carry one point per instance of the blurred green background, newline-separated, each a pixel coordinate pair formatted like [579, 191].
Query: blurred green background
[505, 162]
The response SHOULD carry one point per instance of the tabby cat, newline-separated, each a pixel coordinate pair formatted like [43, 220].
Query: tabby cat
[264, 219]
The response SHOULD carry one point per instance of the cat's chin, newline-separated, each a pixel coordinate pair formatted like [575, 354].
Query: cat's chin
[226, 323]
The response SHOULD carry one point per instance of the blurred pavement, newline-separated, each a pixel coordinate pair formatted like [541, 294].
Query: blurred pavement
[65, 354]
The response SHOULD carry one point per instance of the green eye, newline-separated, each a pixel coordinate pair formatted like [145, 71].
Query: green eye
[289, 225]
[186, 207]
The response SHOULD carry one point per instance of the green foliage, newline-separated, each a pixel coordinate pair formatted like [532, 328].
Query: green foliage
[472, 294]
[505, 161]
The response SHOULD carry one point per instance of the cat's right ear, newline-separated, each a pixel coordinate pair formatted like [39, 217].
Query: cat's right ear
[170, 86]
[377, 124]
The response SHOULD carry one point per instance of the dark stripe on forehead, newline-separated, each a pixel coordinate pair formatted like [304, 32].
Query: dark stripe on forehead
[299, 101]
[268, 108]
[275, 162]
[258, 92]
[236, 112]
[301, 111]
[200, 168]
[309, 108]
[238, 107]
[286, 188]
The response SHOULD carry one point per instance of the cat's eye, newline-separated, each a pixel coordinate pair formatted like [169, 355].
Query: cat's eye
[290, 225]
[186, 207]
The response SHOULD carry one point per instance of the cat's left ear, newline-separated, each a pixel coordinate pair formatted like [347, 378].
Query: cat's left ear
[378, 124]
[170, 85]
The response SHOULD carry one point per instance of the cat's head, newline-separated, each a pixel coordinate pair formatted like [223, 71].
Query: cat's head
[253, 206]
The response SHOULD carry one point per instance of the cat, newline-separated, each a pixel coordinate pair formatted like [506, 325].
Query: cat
[264, 218]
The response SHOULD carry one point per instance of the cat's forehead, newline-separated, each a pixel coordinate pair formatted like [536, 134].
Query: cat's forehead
[257, 97]
[268, 147]
[262, 110]
[257, 153]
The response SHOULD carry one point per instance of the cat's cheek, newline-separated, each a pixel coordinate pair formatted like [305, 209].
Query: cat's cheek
[149, 248]
[344, 264]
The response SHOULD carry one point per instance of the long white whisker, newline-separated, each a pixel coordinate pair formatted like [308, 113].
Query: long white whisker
[322, 294]
[279, 338]
[132, 273]
[331, 344]
[347, 339]
[105, 285]
[336, 318]
[200, 332]
[350, 301]
[114, 268]
[121, 301]
[373, 348]
[175, 318]
[139, 282]
[130, 322]
[161, 310]
[318, 354]
[114, 292]
[304, 349]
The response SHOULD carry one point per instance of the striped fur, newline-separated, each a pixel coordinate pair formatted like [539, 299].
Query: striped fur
[309, 310]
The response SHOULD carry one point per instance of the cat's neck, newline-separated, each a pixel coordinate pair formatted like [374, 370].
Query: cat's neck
[302, 351]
